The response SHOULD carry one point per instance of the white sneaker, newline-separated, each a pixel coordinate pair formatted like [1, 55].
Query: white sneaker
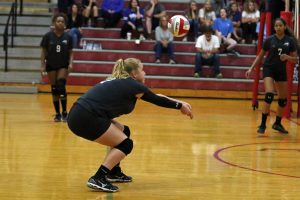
[184, 39]
[142, 38]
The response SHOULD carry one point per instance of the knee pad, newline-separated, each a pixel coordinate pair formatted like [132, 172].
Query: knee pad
[126, 131]
[269, 97]
[54, 90]
[125, 146]
[282, 102]
[61, 87]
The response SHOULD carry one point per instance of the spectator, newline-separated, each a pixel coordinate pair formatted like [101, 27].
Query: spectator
[63, 5]
[250, 17]
[206, 14]
[224, 29]
[164, 41]
[112, 12]
[90, 10]
[217, 5]
[192, 14]
[133, 19]
[207, 46]
[74, 25]
[235, 15]
[154, 11]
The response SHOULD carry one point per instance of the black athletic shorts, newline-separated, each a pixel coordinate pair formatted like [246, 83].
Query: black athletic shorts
[276, 72]
[86, 124]
[49, 68]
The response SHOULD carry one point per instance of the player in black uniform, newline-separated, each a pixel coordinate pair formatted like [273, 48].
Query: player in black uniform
[91, 117]
[56, 60]
[282, 48]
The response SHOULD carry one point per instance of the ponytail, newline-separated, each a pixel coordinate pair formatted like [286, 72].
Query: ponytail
[123, 68]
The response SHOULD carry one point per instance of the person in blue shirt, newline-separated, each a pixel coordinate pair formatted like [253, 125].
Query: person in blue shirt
[112, 12]
[224, 29]
[133, 19]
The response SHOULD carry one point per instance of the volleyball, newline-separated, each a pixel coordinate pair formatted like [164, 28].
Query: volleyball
[179, 25]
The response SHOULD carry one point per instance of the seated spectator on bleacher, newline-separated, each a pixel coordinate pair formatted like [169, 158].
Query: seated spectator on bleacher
[90, 12]
[192, 15]
[235, 15]
[207, 46]
[133, 19]
[64, 5]
[153, 12]
[164, 41]
[217, 5]
[112, 12]
[250, 17]
[206, 14]
[74, 24]
[224, 29]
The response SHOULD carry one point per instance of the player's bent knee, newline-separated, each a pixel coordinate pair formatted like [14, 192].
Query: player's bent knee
[125, 146]
[126, 131]
[54, 90]
[269, 97]
[61, 87]
[282, 102]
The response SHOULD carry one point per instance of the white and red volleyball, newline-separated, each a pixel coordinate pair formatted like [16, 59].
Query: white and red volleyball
[179, 25]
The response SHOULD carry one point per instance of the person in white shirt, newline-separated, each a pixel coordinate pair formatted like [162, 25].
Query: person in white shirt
[207, 46]
[250, 17]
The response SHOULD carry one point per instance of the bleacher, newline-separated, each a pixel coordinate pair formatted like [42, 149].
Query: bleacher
[93, 66]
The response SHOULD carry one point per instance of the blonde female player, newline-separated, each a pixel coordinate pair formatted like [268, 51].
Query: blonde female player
[91, 117]
[282, 48]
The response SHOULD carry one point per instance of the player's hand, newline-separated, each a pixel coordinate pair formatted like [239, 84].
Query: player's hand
[186, 109]
[43, 70]
[248, 73]
[283, 57]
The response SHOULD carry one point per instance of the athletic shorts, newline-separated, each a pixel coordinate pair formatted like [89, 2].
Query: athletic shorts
[86, 124]
[49, 68]
[275, 72]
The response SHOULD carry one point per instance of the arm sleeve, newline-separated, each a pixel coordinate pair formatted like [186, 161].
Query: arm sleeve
[160, 101]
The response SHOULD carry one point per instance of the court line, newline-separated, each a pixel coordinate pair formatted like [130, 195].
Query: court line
[217, 156]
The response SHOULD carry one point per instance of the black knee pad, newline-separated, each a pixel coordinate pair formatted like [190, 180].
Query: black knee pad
[125, 146]
[282, 102]
[54, 90]
[61, 87]
[269, 97]
[126, 131]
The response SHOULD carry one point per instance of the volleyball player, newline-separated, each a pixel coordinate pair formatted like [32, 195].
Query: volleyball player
[282, 48]
[91, 117]
[56, 60]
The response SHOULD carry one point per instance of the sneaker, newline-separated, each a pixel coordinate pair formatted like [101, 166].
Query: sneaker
[64, 116]
[197, 74]
[233, 52]
[172, 61]
[57, 117]
[280, 128]
[101, 184]
[184, 39]
[219, 75]
[118, 177]
[157, 61]
[142, 38]
[261, 129]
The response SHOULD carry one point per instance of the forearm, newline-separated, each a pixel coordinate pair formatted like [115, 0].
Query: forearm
[161, 100]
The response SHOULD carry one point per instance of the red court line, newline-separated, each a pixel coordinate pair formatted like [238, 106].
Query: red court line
[217, 156]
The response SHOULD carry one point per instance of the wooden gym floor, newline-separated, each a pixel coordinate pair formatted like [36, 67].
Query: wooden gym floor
[218, 155]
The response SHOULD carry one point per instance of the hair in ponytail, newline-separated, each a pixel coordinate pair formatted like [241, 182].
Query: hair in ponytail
[123, 68]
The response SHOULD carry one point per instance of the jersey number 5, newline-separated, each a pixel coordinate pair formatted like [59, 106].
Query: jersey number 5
[279, 51]
[58, 48]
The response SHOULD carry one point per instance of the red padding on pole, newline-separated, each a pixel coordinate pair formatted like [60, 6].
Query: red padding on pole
[288, 17]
